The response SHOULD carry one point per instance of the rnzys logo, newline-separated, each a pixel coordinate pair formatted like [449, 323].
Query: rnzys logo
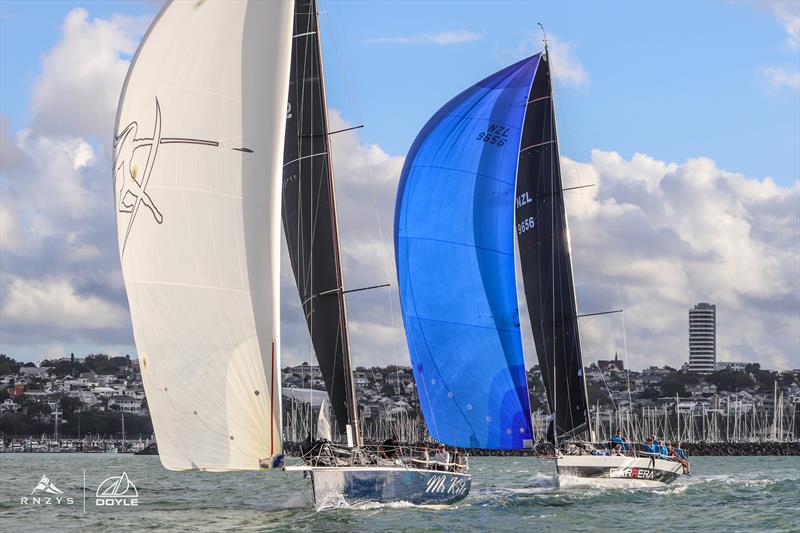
[117, 490]
[46, 486]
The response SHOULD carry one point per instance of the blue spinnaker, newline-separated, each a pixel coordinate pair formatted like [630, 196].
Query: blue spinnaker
[454, 247]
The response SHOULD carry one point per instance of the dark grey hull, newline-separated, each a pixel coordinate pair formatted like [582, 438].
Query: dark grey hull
[335, 486]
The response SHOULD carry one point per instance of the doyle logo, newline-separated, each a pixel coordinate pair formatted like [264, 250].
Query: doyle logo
[44, 487]
[117, 490]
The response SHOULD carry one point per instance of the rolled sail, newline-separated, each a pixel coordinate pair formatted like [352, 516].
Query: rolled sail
[197, 178]
[454, 244]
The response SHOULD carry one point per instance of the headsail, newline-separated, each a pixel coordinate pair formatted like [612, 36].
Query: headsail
[454, 241]
[197, 166]
[309, 215]
[543, 240]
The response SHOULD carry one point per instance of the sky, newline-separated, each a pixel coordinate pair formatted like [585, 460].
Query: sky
[685, 117]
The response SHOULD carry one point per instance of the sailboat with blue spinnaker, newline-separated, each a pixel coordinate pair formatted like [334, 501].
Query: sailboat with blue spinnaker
[480, 187]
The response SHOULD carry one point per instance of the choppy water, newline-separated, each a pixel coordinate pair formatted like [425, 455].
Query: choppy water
[725, 494]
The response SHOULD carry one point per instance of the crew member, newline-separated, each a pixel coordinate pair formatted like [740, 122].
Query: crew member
[617, 442]
[442, 458]
[389, 448]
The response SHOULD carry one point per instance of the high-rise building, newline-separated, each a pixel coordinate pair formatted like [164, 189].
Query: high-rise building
[703, 338]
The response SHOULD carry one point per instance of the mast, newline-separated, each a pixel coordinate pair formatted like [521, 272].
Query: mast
[555, 160]
[310, 221]
[348, 366]
[545, 257]
[569, 243]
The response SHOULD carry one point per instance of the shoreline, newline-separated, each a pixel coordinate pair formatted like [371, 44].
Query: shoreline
[693, 449]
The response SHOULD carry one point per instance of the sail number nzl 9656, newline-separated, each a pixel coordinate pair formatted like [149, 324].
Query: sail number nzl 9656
[524, 225]
[494, 134]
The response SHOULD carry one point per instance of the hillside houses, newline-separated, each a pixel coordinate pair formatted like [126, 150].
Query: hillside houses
[96, 383]
[57, 390]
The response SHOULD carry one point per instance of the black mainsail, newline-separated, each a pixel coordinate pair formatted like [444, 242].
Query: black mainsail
[544, 249]
[309, 216]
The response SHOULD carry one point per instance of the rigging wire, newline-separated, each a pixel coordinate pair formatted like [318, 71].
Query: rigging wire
[595, 247]
[352, 100]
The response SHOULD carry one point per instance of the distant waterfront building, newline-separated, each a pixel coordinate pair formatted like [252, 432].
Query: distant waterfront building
[703, 338]
[736, 366]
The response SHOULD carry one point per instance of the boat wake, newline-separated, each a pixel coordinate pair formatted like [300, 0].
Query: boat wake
[568, 482]
[542, 481]
[341, 503]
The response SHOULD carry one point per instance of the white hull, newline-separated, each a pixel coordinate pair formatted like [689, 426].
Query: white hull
[616, 470]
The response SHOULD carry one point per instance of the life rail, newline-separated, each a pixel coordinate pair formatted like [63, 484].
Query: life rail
[323, 453]
[626, 449]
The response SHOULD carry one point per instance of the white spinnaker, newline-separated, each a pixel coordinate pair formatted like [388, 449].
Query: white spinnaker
[197, 178]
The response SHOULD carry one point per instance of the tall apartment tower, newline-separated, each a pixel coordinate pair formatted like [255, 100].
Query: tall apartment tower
[703, 338]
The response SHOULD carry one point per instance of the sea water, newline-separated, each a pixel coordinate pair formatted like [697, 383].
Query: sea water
[508, 494]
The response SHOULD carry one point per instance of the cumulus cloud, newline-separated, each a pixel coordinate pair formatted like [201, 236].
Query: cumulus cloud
[78, 88]
[366, 180]
[652, 236]
[56, 304]
[787, 14]
[565, 65]
[442, 38]
[658, 237]
[781, 77]
[60, 282]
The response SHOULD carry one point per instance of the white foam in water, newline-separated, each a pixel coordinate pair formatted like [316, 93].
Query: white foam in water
[607, 483]
[332, 502]
[672, 490]
[543, 481]
[297, 499]
[341, 503]
[727, 479]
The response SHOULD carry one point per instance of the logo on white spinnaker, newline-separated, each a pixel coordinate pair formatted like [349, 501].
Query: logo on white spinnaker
[48, 487]
[117, 490]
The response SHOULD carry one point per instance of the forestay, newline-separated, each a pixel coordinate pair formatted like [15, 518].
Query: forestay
[197, 178]
[454, 240]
